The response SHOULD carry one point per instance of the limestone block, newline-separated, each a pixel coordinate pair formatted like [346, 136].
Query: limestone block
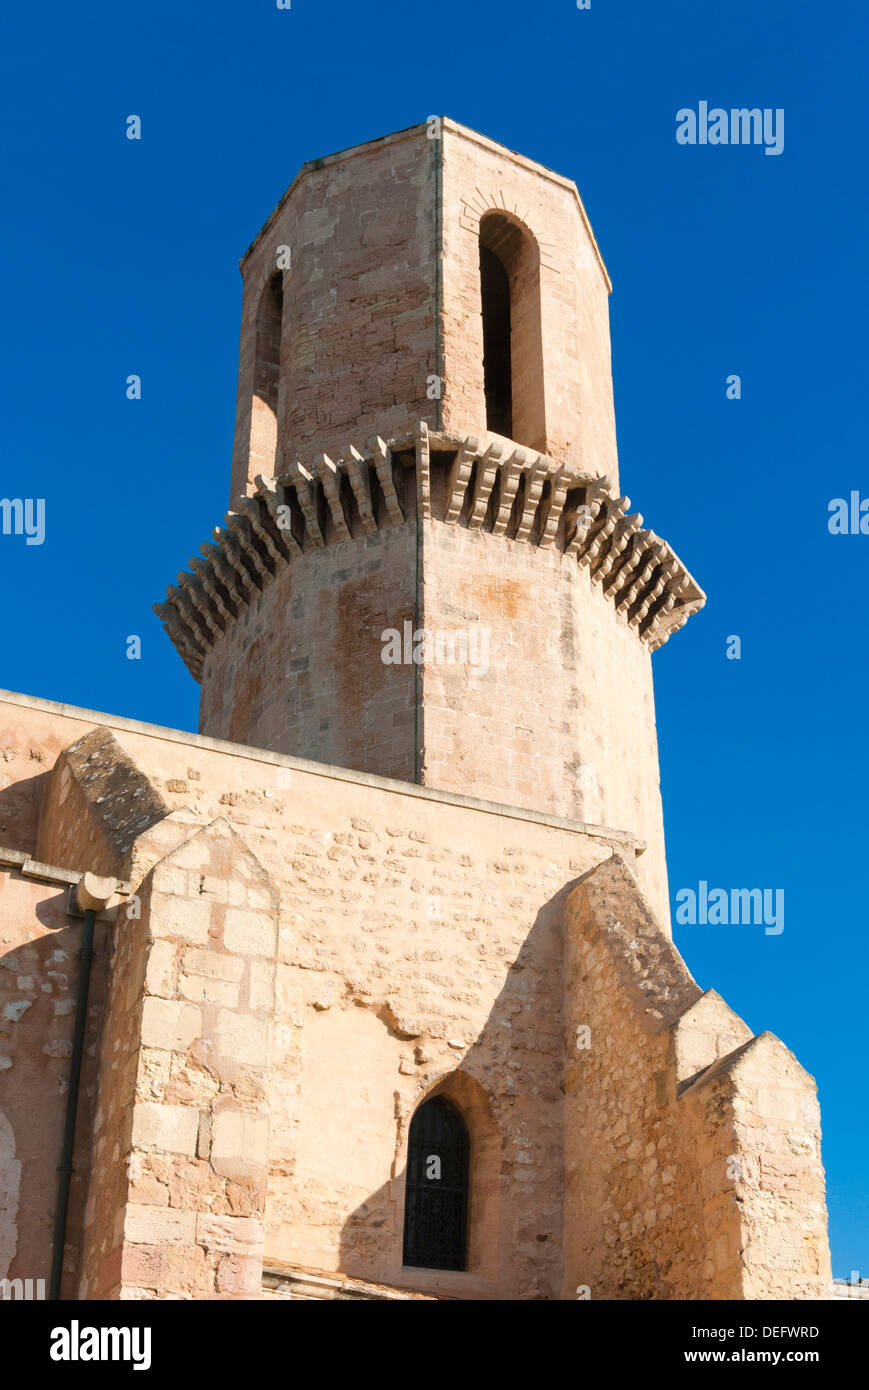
[165, 1128]
[249, 933]
[214, 888]
[237, 1275]
[153, 1072]
[206, 991]
[776, 1103]
[231, 1235]
[147, 1225]
[159, 969]
[212, 965]
[243, 1038]
[707, 1030]
[261, 988]
[169, 1024]
[239, 1144]
[184, 919]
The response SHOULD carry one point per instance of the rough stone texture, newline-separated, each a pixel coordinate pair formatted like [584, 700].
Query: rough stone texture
[181, 1131]
[767, 1236]
[273, 681]
[366, 322]
[578, 419]
[96, 805]
[448, 526]
[301, 672]
[39, 967]
[692, 1150]
[358, 306]
[541, 730]
[306, 952]
[426, 942]
[309, 1285]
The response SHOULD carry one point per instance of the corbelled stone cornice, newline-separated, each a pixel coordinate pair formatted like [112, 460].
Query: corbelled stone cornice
[488, 484]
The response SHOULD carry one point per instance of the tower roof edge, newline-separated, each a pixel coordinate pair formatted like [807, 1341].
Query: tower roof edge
[456, 128]
[394, 137]
[408, 132]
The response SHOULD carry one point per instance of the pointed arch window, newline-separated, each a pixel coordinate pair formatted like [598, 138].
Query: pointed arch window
[436, 1197]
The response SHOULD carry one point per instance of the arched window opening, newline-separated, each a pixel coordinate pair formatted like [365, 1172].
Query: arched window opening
[267, 369]
[436, 1197]
[497, 381]
[512, 332]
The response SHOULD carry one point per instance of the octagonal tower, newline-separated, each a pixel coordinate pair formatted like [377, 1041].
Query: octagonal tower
[427, 572]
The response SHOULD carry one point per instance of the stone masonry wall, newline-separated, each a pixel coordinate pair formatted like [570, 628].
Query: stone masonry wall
[358, 301]
[96, 803]
[559, 718]
[39, 975]
[764, 1208]
[423, 942]
[39, 971]
[692, 1151]
[419, 936]
[375, 234]
[563, 719]
[480, 176]
[301, 671]
[181, 1133]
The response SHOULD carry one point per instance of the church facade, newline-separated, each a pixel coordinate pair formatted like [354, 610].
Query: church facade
[383, 999]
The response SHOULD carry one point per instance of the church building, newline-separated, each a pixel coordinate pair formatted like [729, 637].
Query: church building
[368, 989]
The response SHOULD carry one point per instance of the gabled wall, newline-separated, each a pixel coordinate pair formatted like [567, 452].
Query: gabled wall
[308, 954]
[692, 1150]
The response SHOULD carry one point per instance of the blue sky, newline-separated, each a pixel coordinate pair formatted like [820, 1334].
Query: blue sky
[122, 257]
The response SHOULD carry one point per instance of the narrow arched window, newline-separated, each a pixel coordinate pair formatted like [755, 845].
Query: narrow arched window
[436, 1197]
[267, 369]
[497, 374]
[512, 332]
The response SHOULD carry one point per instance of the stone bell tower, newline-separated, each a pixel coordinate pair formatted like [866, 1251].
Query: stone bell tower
[427, 572]
[422, 914]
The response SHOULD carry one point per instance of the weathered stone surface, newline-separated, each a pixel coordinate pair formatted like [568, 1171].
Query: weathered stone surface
[158, 1226]
[704, 1194]
[97, 803]
[170, 1024]
[464, 894]
[165, 1128]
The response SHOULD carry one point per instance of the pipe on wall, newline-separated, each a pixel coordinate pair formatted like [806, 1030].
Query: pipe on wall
[93, 894]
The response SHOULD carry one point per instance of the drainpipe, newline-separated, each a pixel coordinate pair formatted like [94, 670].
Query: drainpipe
[92, 895]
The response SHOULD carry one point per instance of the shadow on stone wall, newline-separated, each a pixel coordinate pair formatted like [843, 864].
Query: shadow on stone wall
[19, 811]
[508, 1087]
[38, 993]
